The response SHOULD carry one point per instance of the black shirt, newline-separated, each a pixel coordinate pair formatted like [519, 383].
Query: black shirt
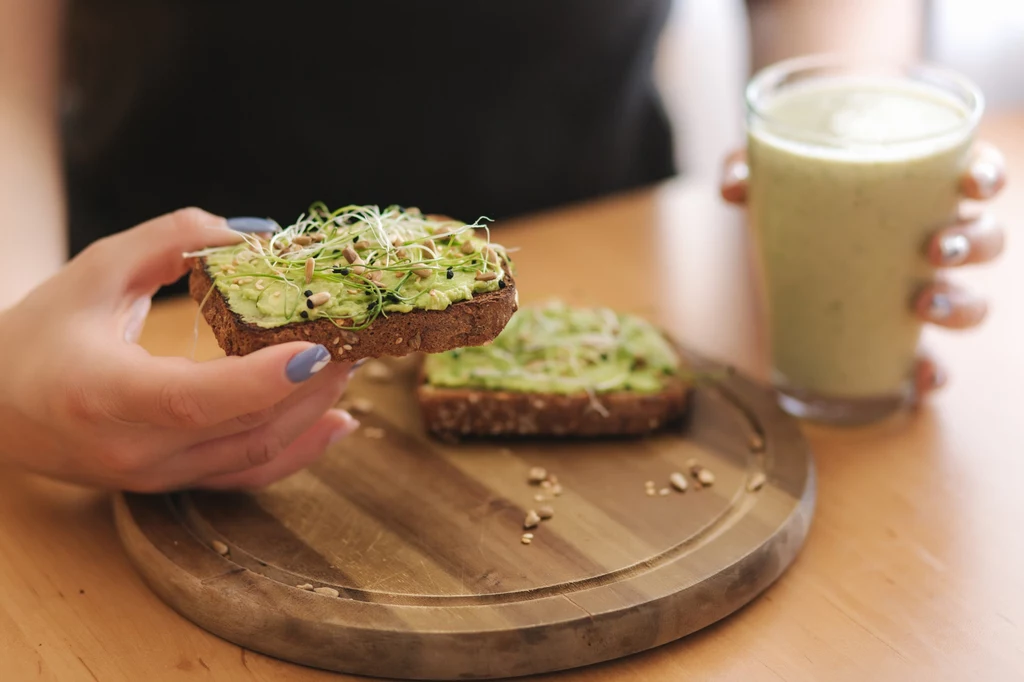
[466, 107]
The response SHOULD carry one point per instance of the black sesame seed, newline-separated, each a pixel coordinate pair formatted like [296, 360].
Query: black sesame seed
[338, 271]
[450, 273]
[309, 304]
[355, 239]
[344, 271]
[307, 293]
[304, 315]
[501, 284]
[351, 220]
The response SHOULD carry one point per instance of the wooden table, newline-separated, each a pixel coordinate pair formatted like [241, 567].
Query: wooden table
[914, 567]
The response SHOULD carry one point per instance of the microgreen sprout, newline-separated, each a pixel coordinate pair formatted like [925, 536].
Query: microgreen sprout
[371, 251]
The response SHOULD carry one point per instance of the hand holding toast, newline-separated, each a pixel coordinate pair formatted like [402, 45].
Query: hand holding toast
[84, 403]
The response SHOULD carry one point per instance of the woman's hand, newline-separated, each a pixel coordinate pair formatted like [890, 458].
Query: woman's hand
[970, 240]
[81, 401]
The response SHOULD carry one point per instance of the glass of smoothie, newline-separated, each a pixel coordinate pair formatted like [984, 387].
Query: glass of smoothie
[852, 168]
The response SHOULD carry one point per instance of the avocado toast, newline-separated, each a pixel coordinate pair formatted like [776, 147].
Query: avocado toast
[362, 281]
[557, 370]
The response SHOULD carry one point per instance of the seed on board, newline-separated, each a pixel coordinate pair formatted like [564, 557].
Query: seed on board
[651, 492]
[467, 248]
[556, 489]
[664, 491]
[377, 371]
[528, 536]
[219, 547]
[692, 462]
[531, 520]
[678, 481]
[326, 591]
[648, 484]
[545, 512]
[526, 539]
[703, 474]
[310, 264]
[364, 405]
[756, 443]
[539, 498]
[423, 273]
[373, 432]
[537, 475]
[305, 586]
[756, 481]
[486, 276]
[320, 297]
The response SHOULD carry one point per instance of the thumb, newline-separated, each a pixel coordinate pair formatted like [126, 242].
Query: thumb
[142, 259]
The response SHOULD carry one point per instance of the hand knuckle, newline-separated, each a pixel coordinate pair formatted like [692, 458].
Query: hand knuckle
[121, 458]
[264, 449]
[182, 406]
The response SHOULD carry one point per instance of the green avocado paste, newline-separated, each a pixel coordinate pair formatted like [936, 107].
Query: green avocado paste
[355, 264]
[557, 348]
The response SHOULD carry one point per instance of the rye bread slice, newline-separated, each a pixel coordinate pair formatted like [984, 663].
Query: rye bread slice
[466, 323]
[453, 413]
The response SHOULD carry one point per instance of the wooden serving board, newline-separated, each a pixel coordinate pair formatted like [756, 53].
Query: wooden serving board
[422, 541]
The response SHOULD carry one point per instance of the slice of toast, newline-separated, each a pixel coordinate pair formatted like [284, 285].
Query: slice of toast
[381, 307]
[535, 379]
[456, 412]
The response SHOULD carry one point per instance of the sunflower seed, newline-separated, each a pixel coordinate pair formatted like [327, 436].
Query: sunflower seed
[532, 519]
[219, 547]
[545, 512]
[537, 475]
[678, 481]
[326, 591]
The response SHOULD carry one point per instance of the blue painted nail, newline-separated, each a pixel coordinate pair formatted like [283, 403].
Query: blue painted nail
[249, 224]
[307, 363]
[356, 365]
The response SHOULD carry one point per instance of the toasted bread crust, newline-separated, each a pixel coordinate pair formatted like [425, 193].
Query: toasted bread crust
[466, 323]
[457, 412]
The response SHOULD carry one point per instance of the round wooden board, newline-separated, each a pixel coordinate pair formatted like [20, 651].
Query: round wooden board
[422, 541]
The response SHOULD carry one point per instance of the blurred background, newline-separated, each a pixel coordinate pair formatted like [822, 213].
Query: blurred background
[709, 50]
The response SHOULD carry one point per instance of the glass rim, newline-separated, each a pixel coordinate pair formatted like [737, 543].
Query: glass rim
[943, 79]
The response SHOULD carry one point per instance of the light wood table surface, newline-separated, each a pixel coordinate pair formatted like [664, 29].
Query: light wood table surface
[913, 569]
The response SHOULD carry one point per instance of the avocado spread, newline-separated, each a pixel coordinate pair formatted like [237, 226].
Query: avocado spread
[354, 264]
[556, 348]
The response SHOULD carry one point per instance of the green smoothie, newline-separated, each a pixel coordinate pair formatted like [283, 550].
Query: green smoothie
[848, 179]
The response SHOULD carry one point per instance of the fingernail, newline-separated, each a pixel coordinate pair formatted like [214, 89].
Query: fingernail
[250, 224]
[307, 363]
[939, 378]
[986, 177]
[954, 249]
[736, 173]
[356, 365]
[346, 429]
[940, 307]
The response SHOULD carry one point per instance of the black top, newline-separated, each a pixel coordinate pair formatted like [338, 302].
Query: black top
[466, 107]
